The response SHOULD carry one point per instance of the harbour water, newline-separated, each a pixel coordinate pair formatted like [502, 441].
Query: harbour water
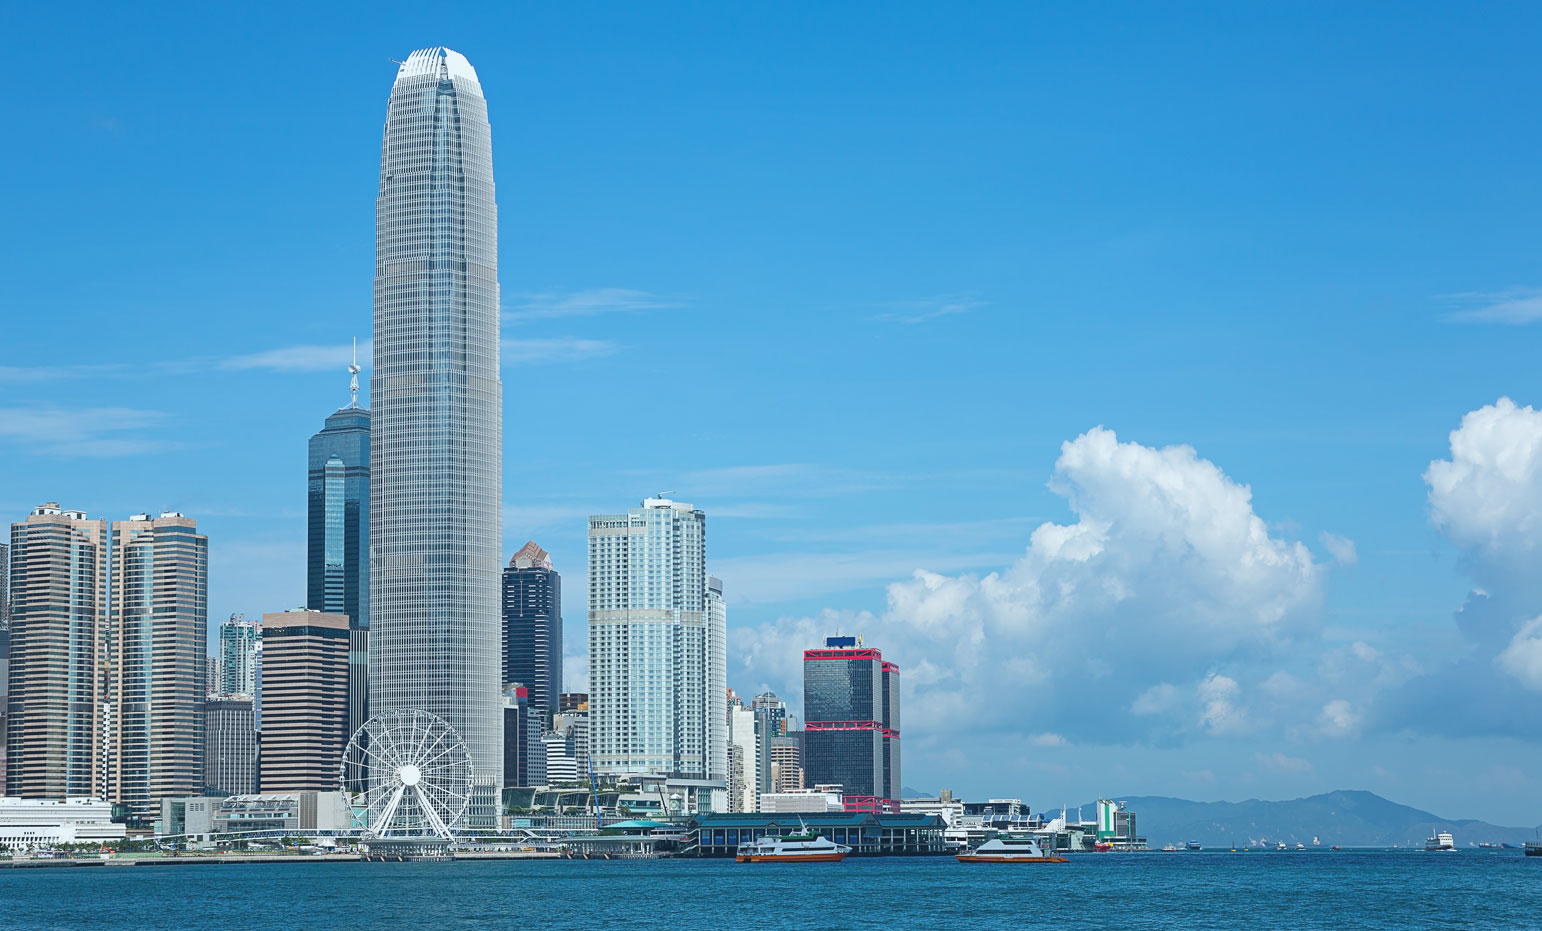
[1315, 889]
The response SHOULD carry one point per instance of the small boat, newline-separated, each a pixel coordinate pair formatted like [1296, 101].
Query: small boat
[1102, 846]
[1337, 847]
[1002, 849]
[1300, 846]
[1196, 845]
[1281, 846]
[803, 847]
[1169, 848]
[1440, 841]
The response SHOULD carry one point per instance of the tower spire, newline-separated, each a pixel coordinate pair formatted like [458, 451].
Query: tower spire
[353, 376]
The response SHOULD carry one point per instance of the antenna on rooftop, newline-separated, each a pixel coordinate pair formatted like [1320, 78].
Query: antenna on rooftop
[353, 376]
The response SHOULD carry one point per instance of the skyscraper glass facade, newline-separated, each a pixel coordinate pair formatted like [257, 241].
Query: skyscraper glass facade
[851, 727]
[337, 483]
[337, 576]
[532, 628]
[436, 447]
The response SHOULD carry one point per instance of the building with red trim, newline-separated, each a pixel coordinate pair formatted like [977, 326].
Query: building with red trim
[851, 738]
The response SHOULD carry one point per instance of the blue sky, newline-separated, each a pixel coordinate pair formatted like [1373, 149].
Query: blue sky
[847, 279]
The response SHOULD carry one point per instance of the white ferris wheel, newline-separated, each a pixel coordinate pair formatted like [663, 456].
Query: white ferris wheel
[408, 774]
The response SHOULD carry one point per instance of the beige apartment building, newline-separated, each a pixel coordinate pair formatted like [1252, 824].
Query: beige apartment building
[108, 654]
[58, 618]
[157, 661]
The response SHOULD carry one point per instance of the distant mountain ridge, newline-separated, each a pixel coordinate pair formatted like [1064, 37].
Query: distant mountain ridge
[1350, 818]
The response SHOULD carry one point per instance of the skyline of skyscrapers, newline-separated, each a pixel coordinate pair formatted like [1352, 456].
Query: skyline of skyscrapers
[532, 627]
[122, 697]
[436, 446]
[657, 660]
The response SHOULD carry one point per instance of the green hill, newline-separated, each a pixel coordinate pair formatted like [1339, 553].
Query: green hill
[1347, 818]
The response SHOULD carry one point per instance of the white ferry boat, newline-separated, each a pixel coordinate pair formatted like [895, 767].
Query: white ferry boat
[804, 847]
[1002, 849]
[1441, 841]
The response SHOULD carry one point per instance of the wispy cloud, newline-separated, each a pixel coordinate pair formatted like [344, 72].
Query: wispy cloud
[563, 349]
[1342, 549]
[548, 305]
[998, 528]
[91, 431]
[1516, 306]
[302, 358]
[1280, 763]
[799, 479]
[39, 373]
[931, 308]
[775, 578]
[757, 510]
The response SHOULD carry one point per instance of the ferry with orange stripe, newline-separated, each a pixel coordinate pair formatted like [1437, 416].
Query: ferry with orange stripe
[804, 847]
[1003, 849]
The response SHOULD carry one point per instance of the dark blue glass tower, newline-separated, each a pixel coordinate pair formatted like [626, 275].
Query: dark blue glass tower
[337, 565]
[532, 628]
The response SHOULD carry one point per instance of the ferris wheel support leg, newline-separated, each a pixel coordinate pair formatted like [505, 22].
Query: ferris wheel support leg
[390, 810]
[433, 816]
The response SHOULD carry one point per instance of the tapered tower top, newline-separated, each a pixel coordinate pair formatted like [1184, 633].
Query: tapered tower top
[530, 556]
[438, 62]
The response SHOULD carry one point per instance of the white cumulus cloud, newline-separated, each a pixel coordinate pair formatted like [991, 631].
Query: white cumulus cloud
[1342, 549]
[1219, 710]
[1523, 657]
[1487, 498]
[1165, 574]
[1338, 719]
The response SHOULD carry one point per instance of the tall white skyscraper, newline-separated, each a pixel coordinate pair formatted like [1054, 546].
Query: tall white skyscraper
[240, 653]
[743, 750]
[436, 441]
[657, 657]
